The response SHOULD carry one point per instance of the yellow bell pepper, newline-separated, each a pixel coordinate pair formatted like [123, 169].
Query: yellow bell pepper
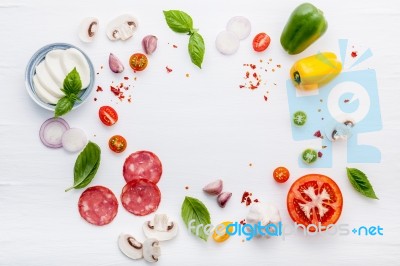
[313, 72]
[220, 234]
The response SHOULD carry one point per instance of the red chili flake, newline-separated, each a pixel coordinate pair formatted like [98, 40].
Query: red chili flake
[95, 99]
[247, 74]
[243, 221]
[318, 134]
[248, 201]
[241, 86]
[175, 46]
[129, 99]
[169, 70]
[126, 78]
[253, 66]
[121, 97]
[320, 154]
[99, 89]
[114, 90]
[252, 87]
[256, 200]
[346, 101]
[265, 98]
[186, 187]
[255, 75]
[354, 54]
[245, 196]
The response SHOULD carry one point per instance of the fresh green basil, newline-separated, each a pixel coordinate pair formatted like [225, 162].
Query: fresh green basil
[181, 22]
[72, 83]
[361, 183]
[196, 49]
[64, 105]
[86, 166]
[178, 21]
[194, 210]
[71, 87]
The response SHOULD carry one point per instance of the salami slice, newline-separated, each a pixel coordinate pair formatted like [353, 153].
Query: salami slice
[140, 197]
[98, 205]
[142, 165]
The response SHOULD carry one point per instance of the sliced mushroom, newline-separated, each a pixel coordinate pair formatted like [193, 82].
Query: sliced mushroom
[130, 246]
[151, 250]
[88, 29]
[121, 28]
[160, 228]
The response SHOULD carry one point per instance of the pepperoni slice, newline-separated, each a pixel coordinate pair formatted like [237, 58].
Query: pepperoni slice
[140, 197]
[142, 165]
[98, 205]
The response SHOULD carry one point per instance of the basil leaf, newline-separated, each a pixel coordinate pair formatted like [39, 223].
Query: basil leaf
[64, 105]
[72, 83]
[194, 210]
[86, 166]
[196, 49]
[178, 21]
[360, 183]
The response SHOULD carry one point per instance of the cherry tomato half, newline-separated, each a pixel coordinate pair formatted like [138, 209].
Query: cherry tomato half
[138, 62]
[281, 174]
[108, 115]
[117, 143]
[261, 42]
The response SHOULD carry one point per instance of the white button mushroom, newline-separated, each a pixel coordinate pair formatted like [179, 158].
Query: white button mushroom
[88, 29]
[160, 228]
[263, 213]
[121, 28]
[130, 246]
[151, 250]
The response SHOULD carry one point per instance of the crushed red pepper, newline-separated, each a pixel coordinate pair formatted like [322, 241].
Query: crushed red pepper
[169, 70]
[99, 89]
[318, 134]
[354, 54]
[320, 154]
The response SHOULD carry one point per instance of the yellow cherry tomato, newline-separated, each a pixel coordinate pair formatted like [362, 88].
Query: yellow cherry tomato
[220, 234]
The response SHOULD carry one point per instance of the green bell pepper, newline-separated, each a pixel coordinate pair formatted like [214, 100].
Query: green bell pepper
[305, 25]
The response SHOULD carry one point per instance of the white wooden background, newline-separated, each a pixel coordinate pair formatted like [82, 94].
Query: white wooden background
[202, 127]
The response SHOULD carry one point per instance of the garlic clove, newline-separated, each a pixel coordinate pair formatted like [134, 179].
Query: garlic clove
[115, 64]
[88, 29]
[149, 44]
[223, 198]
[214, 188]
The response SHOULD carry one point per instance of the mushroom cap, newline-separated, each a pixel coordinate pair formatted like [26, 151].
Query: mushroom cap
[130, 246]
[160, 228]
[151, 250]
[88, 29]
[121, 27]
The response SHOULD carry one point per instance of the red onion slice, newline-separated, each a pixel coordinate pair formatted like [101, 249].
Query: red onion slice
[51, 132]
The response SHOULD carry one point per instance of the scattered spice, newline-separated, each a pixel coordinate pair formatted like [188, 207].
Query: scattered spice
[99, 89]
[320, 154]
[318, 134]
[187, 75]
[243, 222]
[169, 70]
[324, 147]
[354, 54]
[265, 98]
[246, 198]
[126, 78]
[187, 187]
[346, 101]
[250, 164]
[175, 46]
[95, 99]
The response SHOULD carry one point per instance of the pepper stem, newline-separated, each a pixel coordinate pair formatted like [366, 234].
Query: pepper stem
[296, 77]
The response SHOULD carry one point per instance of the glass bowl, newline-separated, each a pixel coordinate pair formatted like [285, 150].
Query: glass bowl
[39, 57]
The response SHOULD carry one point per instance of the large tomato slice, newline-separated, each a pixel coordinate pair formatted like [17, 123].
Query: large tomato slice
[314, 199]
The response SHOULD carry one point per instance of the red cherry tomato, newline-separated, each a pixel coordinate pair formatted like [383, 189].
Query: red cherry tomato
[117, 143]
[281, 174]
[108, 115]
[138, 62]
[261, 42]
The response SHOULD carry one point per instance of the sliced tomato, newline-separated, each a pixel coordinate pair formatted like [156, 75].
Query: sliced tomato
[261, 42]
[117, 143]
[281, 174]
[315, 199]
[108, 115]
[138, 61]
